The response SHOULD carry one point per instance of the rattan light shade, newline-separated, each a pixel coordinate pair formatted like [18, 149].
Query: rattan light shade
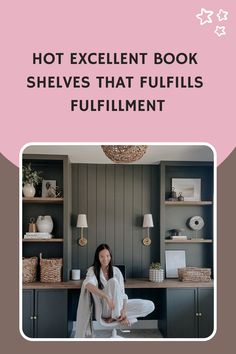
[124, 153]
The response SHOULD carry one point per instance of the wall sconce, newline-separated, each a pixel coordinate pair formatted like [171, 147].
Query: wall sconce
[82, 222]
[147, 223]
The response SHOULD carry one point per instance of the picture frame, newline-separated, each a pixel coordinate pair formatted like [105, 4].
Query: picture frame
[190, 188]
[174, 259]
[48, 188]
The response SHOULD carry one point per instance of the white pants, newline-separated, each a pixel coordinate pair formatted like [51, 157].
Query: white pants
[134, 308]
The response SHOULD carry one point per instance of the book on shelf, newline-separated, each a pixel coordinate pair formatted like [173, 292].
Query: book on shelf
[178, 238]
[37, 235]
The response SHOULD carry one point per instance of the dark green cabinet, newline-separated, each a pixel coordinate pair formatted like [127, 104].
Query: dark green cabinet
[205, 312]
[188, 313]
[45, 313]
[28, 313]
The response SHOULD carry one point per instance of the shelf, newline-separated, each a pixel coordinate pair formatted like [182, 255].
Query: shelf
[203, 202]
[200, 240]
[43, 240]
[40, 200]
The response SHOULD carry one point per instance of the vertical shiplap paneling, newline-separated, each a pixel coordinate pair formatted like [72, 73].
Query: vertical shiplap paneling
[101, 204]
[92, 211]
[110, 206]
[155, 207]
[128, 219]
[115, 198]
[137, 220]
[83, 209]
[75, 201]
[119, 215]
[146, 209]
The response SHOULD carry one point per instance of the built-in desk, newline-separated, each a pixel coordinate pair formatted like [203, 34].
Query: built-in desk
[183, 309]
[132, 283]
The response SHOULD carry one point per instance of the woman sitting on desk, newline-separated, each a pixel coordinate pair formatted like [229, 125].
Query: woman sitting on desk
[106, 281]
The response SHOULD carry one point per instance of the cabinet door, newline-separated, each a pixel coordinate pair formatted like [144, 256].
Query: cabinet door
[205, 309]
[28, 313]
[51, 313]
[181, 313]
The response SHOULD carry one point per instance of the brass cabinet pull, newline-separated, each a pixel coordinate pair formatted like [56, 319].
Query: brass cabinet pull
[198, 314]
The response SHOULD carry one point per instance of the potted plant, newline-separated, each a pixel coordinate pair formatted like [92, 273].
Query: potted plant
[30, 179]
[156, 273]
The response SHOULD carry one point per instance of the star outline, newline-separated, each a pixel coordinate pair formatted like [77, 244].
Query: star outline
[221, 29]
[224, 14]
[203, 12]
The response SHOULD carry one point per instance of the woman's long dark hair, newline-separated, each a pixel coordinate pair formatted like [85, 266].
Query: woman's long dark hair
[97, 264]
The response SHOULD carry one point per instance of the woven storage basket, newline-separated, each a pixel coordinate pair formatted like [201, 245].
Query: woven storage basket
[29, 269]
[194, 274]
[50, 270]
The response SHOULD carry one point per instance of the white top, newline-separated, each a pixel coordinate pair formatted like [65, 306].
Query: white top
[92, 279]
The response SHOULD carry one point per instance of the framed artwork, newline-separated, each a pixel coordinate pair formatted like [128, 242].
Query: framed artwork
[174, 260]
[48, 188]
[190, 188]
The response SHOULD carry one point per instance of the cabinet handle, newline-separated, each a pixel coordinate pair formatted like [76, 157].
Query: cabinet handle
[31, 317]
[200, 314]
[35, 317]
[197, 314]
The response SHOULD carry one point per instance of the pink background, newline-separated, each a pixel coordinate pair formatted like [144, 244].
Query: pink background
[197, 115]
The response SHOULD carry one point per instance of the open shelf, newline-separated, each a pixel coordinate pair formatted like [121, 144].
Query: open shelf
[39, 200]
[43, 240]
[200, 240]
[202, 202]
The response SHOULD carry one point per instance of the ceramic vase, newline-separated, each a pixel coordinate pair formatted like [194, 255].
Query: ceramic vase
[44, 224]
[29, 190]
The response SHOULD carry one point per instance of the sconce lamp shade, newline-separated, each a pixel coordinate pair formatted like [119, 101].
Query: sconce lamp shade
[82, 221]
[147, 220]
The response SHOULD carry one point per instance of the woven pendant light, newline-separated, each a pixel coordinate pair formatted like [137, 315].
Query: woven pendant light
[124, 153]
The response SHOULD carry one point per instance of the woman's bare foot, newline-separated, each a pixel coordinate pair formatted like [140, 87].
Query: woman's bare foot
[125, 322]
[109, 320]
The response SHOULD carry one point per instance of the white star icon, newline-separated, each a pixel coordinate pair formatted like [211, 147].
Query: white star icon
[220, 31]
[205, 16]
[222, 15]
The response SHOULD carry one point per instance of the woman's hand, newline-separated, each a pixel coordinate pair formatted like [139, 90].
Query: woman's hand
[122, 315]
[123, 318]
[110, 303]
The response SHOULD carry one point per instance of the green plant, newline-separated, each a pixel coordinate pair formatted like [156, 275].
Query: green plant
[155, 265]
[31, 176]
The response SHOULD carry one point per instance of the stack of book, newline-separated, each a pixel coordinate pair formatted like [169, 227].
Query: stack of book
[179, 238]
[37, 235]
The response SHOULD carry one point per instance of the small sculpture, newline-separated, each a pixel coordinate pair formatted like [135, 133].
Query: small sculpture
[173, 195]
[180, 197]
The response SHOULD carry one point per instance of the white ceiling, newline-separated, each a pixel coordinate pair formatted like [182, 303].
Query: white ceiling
[155, 153]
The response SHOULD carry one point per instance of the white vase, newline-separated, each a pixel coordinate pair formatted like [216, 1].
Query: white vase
[156, 275]
[29, 190]
[44, 223]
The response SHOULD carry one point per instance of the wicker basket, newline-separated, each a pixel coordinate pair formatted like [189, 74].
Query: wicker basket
[194, 274]
[29, 269]
[50, 270]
